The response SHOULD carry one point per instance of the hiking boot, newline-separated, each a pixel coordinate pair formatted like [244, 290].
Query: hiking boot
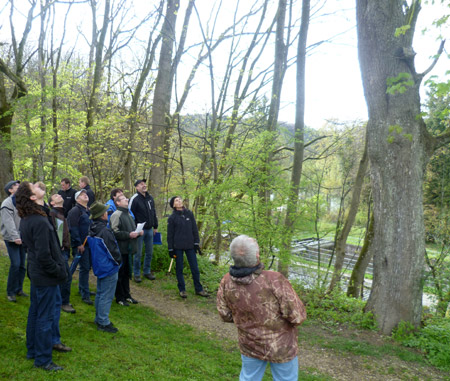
[132, 300]
[68, 308]
[123, 303]
[87, 301]
[183, 294]
[202, 293]
[107, 328]
[51, 366]
[61, 348]
[21, 293]
[137, 279]
[12, 298]
[149, 276]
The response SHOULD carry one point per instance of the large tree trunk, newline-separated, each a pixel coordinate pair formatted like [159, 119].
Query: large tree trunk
[398, 148]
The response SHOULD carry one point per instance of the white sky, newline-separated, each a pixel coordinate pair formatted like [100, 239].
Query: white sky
[333, 86]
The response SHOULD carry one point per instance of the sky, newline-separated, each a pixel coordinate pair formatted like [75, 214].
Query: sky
[333, 80]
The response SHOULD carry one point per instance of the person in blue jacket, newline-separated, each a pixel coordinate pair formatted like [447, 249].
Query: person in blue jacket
[182, 236]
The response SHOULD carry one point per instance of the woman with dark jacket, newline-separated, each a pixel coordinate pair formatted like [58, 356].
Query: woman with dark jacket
[182, 236]
[46, 269]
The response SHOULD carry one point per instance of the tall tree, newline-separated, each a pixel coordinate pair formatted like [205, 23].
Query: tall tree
[19, 89]
[161, 103]
[299, 133]
[398, 147]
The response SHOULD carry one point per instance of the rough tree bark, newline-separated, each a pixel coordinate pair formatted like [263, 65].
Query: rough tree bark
[398, 147]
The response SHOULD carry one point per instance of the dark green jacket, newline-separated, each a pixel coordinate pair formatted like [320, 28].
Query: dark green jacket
[122, 224]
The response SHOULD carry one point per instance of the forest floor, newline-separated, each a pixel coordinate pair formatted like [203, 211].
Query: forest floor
[316, 357]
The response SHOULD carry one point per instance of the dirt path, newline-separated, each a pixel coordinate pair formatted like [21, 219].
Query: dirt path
[312, 358]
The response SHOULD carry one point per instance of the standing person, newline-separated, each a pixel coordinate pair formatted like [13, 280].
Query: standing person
[123, 226]
[84, 185]
[115, 192]
[46, 270]
[107, 281]
[79, 224]
[266, 311]
[10, 232]
[142, 206]
[111, 203]
[182, 236]
[68, 195]
[62, 228]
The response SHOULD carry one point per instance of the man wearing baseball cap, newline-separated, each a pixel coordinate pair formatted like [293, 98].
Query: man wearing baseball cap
[10, 232]
[79, 223]
[142, 206]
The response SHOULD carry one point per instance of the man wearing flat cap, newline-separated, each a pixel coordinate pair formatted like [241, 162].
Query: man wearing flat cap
[10, 232]
[79, 223]
[142, 206]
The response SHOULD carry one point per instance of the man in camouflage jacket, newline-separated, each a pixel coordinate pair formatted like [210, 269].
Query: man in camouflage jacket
[266, 311]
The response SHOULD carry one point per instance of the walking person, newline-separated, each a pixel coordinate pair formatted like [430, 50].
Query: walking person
[62, 228]
[182, 237]
[266, 311]
[105, 264]
[46, 270]
[79, 223]
[123, 226]
[142, 206]
[16, 252]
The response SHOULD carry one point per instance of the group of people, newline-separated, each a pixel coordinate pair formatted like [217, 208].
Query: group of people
[262, 304]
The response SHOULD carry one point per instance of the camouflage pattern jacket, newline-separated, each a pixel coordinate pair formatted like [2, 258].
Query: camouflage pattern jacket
[266, 311]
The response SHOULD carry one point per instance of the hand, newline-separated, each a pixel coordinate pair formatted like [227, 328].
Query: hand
[18, 241]
[141, 232]
[172, 254]
[81, 249]
[155, 231]
[133, 234]
[197, 249]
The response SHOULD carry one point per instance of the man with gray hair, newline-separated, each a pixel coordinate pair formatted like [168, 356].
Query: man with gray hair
[266, 311]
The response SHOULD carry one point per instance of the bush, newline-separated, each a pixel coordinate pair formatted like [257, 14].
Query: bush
[336, 307]
[433, 339]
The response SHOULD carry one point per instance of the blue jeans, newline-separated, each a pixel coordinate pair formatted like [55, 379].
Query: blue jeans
[253, 369]
[192, 259]
[147, 238]
[106, 287]
[65, 288]
[41, 317]
[56, 334]
[83, 277]
[16, 274]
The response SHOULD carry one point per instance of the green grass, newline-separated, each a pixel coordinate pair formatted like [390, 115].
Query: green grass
[147, 346]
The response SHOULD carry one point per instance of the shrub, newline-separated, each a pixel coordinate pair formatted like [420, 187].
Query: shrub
[433, 339]
[336, 307]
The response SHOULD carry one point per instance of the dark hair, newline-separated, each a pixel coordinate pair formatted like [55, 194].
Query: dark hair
[26, 206]
[66, 180]
[114, 191]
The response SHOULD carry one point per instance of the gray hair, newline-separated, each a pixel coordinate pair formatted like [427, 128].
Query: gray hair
[244, 250]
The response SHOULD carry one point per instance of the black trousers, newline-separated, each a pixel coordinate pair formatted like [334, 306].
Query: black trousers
[123, 282]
